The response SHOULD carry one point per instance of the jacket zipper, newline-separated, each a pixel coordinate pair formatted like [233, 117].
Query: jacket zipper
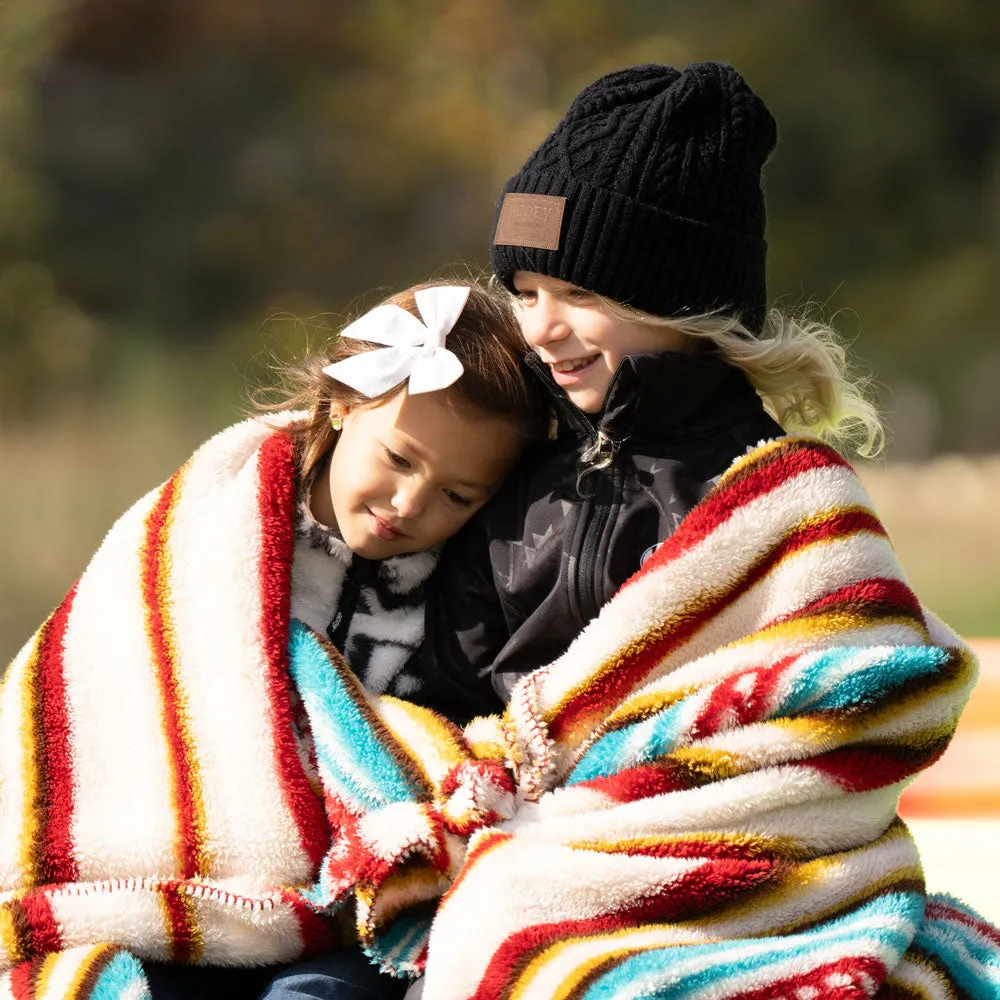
[601, 461]
[588, 596]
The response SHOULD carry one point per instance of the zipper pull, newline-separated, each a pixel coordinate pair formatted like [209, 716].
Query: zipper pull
[599, 454]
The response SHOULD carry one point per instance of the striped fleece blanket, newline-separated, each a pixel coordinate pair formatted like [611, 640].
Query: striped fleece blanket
[697, 799]
[154, 792]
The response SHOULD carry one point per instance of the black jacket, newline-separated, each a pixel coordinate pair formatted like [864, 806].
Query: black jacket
[541, 558]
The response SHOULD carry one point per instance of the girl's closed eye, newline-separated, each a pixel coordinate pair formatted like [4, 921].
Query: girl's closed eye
[395, 458]
[458, 499]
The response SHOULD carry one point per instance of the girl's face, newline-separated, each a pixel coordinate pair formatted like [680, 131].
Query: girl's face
[582, 343]
[406, 474]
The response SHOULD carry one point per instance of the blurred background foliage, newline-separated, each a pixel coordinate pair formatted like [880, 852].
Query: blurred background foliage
[186, 184]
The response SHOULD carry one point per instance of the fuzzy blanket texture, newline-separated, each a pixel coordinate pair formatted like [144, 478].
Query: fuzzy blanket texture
[697, 800]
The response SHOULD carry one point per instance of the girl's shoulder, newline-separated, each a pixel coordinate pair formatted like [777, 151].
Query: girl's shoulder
[242, 439]
[225, 455]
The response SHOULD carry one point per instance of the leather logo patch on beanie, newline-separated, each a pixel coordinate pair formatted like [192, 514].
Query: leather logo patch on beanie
[530, 220]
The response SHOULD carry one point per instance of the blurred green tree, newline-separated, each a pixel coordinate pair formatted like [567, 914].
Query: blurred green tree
[174, 172]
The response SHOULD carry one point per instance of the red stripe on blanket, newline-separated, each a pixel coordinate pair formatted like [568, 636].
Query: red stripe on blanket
[52, 850]
[644, 781]
[40, 932]
[942, 911]
[181, 924]
[741, 699]
[709, 887]
[862, 768]
[185, 781]
[854, 977]
[276, 502]
[618, 678]
[22, 981]
[320, 934]
[884, 594]
[781, 463]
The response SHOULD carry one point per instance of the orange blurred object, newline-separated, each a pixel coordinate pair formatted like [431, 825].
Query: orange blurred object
[965, 782]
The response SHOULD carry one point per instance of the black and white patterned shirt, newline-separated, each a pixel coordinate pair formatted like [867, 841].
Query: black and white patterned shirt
[372, 610]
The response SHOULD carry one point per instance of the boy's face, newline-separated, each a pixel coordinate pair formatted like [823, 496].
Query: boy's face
[408, 473]
[581, 342]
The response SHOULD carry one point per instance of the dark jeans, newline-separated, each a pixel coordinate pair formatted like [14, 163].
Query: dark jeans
[339, 975]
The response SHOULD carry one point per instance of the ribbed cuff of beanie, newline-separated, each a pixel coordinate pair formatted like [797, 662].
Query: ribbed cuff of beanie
[640, 255]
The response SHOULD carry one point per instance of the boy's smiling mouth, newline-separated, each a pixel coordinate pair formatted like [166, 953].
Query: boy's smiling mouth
[565, 367]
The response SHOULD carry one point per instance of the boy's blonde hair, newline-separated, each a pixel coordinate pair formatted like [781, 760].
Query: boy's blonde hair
[799, 366]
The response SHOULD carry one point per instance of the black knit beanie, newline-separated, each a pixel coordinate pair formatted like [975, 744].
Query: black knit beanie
[649, 192]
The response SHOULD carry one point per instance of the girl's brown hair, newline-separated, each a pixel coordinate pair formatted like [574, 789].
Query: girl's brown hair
[487, 340]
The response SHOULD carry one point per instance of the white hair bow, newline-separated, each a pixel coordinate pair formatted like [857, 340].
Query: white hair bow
[414, 350]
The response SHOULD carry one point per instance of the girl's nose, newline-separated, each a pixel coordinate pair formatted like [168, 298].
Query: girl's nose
[408, 499]
[542, 322]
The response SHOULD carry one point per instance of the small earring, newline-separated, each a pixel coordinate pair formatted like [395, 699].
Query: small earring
[336, 421]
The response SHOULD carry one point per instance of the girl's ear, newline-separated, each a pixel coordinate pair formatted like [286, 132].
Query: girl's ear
[338, 410]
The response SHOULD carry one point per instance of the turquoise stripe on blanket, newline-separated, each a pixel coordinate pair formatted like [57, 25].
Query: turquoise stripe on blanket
[399, 948]
[121, 979]
[633, 745]
[351, 754]
[882, 928]
[824, 683]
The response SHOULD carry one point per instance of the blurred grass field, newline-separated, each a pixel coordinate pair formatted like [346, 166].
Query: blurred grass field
[941, 517]
[64, 484]
[66, 481]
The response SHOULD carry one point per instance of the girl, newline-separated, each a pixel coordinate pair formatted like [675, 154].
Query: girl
[633, 240]
[397, 472]
[186, 828]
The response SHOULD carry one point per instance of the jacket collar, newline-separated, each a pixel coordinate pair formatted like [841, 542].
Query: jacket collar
[658, 396]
